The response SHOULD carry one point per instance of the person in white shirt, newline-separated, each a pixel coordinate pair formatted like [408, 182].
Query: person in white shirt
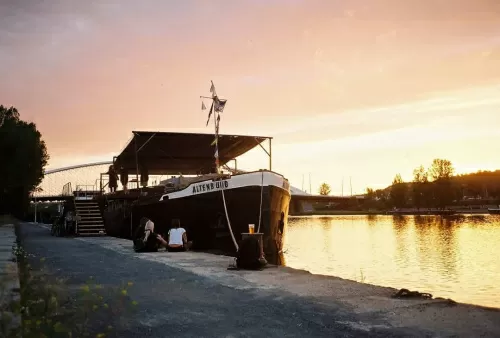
[177, 238]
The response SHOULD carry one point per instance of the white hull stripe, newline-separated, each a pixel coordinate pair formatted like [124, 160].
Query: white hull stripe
[265, 178]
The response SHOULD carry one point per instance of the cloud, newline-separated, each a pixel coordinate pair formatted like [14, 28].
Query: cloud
[305, 73]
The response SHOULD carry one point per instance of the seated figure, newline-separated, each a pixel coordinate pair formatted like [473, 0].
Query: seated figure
[145, 239]
[177, 238]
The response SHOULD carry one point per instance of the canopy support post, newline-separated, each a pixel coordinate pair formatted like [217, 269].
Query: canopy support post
[270, 155]
[268, 152]
[137, 165]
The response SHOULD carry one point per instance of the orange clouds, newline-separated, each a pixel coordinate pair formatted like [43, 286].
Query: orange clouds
[88, 75]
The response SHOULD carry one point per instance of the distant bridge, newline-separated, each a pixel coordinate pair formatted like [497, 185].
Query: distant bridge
[78, 166]
[59, 184]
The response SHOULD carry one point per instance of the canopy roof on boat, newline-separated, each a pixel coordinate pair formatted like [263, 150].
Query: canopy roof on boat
[188, 153]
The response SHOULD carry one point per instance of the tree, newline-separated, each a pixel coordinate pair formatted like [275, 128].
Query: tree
[398, 192]
[2, 117]
[397, 179]
[441, 172]
[441, 169]
[420, 175]
[23, 155]
[370, 193]
[324, 189]
[370, 199]
[420, 185]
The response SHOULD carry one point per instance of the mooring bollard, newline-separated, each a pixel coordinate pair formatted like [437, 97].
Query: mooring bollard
[259, 236]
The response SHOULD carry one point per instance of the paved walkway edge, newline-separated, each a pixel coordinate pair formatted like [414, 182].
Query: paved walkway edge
[9, 273]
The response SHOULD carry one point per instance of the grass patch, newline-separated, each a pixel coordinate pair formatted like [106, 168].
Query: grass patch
[361, 278]
[48, 307]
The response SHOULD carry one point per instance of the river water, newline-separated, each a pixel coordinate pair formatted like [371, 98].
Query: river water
[455, 257]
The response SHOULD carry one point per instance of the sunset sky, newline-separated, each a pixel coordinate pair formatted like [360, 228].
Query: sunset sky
[364, 88]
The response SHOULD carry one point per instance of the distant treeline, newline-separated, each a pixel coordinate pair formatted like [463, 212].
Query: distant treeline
[437, 187]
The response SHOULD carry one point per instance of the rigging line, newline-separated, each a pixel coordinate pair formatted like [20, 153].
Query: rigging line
[261, 193]
[227, 218]
[146, 142]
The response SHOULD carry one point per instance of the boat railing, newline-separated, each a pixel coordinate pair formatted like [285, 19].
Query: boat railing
[103, 182]
[67, 190]
[85, 191]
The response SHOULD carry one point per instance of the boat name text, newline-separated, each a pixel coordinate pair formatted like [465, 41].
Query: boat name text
[207, 187]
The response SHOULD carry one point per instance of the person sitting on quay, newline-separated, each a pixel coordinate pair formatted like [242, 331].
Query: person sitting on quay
[145, 239]
[177, 238]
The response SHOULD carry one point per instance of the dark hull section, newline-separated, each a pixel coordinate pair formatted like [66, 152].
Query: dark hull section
[204, 218]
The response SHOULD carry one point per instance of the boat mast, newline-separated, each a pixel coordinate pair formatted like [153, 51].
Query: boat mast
[216, 134]
[216, 108]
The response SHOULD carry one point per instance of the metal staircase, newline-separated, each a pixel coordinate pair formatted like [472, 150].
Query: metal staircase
[90, 222]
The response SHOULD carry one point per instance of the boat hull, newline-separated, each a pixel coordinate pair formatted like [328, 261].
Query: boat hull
[202, 214]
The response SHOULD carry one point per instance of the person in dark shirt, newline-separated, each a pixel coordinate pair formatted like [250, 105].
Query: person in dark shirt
[146, 240]
[113, 179]
[124, 179]
[144, 176]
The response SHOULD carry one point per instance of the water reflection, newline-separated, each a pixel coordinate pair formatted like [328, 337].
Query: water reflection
[372, 219]
[448, 256]
[401, 235]
[436, 247]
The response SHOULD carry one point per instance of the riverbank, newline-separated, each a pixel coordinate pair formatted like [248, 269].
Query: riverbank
[385, 212]
[212, 301]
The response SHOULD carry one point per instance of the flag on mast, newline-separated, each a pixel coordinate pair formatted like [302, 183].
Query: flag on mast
[210, 113]
[216, 108]
[219, 104]
[216, 155]
[212, 89]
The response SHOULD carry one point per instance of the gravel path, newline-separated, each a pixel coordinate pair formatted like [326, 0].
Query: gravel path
[174, 302]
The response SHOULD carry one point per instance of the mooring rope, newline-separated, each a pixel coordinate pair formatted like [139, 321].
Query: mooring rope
[261, 192]
[227, 218]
